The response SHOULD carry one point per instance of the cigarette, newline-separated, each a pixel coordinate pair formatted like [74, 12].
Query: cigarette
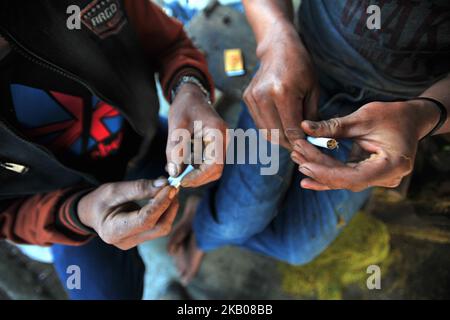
[326, 143]
[176, 181]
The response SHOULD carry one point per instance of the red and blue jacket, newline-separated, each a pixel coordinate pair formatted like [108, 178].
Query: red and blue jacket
[72, 102]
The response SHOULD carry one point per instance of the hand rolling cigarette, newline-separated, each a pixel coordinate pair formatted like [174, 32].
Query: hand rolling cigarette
[326, 143]
[176, 181]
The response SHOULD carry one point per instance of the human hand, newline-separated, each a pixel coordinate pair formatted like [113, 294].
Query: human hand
[284, 90]
[189, 106]
[112, 212]
[388, 131]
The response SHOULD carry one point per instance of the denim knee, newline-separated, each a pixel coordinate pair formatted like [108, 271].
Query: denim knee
[235, 233]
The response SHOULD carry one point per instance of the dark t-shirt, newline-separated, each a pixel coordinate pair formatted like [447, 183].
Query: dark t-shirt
[57, 113]
[406, 55]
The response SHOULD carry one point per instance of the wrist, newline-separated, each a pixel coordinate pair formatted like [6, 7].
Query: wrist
[191, 85]
[281, 32]
[82, 213]
[68, 219]
[190, 91]
[425, 116]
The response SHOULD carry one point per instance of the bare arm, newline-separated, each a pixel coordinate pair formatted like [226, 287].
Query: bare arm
[264, 14]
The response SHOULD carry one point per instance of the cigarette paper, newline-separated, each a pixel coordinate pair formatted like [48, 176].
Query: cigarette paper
[326, 143]
[176, 181]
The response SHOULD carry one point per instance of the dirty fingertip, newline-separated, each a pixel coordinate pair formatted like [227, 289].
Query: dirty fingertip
[172, 169]
[160, 182]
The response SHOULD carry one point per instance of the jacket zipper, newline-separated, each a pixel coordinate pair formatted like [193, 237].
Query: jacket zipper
[14, 167]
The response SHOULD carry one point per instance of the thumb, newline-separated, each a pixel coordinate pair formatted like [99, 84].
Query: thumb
[345, 127]
[127, 191]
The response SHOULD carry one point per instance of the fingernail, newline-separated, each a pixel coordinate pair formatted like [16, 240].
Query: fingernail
[172, 169]
[161, 182]
[172, 193]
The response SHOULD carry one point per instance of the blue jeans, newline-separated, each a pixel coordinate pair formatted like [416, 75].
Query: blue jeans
[272, 214]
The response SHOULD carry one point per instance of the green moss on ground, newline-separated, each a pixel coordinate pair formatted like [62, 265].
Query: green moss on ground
[365, 241]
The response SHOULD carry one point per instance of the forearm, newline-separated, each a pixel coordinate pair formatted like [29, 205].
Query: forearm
[441, 92]
[269, 17]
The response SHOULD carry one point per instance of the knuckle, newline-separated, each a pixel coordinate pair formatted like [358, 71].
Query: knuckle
[111, 189]
[279, 89]
[106, 189]
[141, 186]
[332, 124]
[258, 93]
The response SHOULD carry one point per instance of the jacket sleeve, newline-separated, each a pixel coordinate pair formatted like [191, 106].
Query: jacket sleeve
[44, 219]
[166, 43]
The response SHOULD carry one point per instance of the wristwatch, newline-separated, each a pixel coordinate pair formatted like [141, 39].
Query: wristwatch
[193, 80]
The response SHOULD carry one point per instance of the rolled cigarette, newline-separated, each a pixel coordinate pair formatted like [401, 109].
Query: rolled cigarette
[176, 181]
[326, 143]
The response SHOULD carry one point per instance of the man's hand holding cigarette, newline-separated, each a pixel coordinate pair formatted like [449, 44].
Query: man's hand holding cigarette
[189, 106]
[388, 132]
